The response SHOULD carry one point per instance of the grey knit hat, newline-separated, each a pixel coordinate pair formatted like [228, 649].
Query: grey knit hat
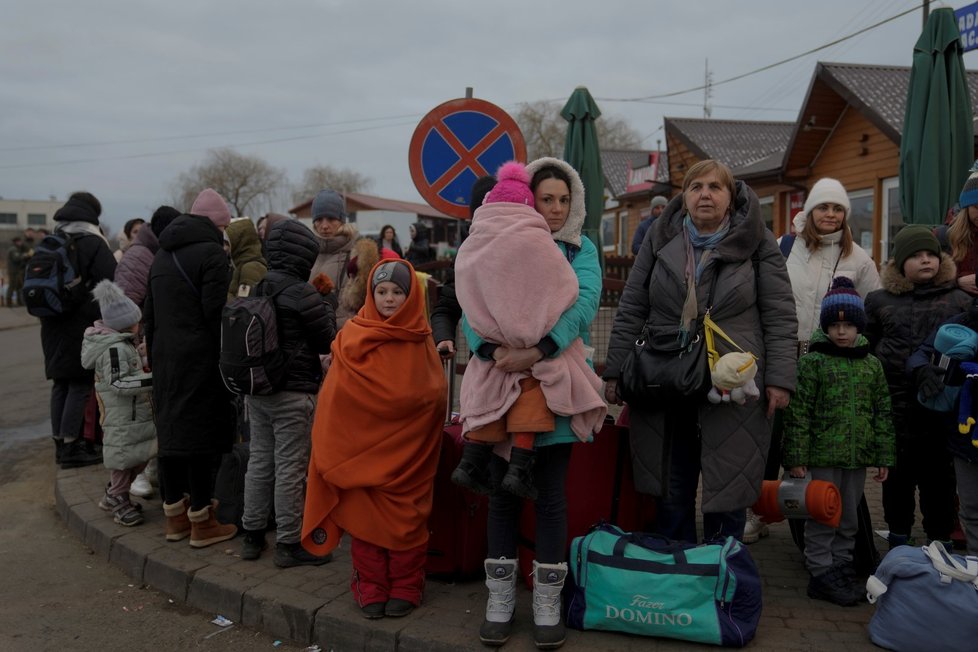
[396, 272]
[119, 312]
[328, 205]
[658, 200]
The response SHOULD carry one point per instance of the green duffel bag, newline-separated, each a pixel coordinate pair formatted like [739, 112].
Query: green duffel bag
[649, 585]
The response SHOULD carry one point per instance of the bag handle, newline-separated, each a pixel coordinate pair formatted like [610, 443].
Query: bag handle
[949, 567]
[648, 541]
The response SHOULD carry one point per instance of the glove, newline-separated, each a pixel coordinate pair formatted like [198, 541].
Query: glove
[930, 381]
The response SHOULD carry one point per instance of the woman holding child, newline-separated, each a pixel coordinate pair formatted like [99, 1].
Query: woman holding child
[556, 192]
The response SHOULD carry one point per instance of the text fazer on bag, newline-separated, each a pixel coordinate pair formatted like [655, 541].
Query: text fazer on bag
[926, 599]
[649, 585]
[251, 361]
[53, 285]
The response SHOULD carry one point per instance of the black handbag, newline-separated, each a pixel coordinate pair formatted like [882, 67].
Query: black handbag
[655, 373]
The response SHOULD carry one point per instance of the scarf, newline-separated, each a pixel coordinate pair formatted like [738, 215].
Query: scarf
[698, 250]
[82, 228]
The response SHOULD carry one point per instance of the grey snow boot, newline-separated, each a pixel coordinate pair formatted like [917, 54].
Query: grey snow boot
[548, 582]
[501, 606]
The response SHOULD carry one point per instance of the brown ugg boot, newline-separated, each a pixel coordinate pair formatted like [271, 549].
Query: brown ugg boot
[204, 528]
[177, 523]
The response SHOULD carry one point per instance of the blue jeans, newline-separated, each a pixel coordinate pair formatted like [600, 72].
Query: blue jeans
[676, 511]
[278, 460]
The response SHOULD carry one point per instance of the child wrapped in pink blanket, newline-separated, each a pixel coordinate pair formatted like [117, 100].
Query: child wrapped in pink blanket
[513, 284]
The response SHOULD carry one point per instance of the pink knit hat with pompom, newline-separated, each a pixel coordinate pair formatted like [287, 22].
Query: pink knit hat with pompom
[512, 185]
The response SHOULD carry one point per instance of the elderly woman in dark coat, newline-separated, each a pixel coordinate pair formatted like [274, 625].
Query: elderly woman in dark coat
[195, 420]
[712, 235]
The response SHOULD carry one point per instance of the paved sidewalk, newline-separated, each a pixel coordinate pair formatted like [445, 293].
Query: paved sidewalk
[15, 318]
[314, 605]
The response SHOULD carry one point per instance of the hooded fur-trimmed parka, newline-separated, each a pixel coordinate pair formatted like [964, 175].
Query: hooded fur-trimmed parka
[756, 311]
[354, 294]
[249, 266]
[900, 317]
[576, 321]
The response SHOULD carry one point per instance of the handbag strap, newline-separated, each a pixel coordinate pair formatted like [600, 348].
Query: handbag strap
[184, 274]
[949, 567]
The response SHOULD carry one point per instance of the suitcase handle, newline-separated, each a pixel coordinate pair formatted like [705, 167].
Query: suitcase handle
[449, 366]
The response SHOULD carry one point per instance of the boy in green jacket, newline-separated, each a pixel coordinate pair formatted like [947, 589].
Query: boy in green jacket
[838, 423]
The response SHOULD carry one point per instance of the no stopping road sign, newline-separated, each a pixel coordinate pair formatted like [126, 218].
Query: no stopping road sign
[456, 143]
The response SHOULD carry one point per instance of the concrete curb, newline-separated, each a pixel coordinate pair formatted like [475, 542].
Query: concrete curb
[306, 605]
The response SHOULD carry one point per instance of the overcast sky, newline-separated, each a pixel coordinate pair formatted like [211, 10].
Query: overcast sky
[118, 98]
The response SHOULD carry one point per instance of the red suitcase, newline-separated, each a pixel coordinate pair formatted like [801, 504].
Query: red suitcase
[600, 487]
[457, 542]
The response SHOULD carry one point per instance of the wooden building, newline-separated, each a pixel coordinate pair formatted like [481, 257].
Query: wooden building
[369, 212]
[752, 149]
[632, 178]
[849, 128]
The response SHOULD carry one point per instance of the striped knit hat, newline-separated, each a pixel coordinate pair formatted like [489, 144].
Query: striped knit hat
[969, 192]
[843, 303]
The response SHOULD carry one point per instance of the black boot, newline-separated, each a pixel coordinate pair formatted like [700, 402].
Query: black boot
[59, 447]
[79, 453]
[293, 554]
[519, 476]
[472, 471]
[253, 544]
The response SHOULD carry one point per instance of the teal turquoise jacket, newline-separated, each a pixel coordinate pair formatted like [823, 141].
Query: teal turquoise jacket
[840, 414]
[574, 323]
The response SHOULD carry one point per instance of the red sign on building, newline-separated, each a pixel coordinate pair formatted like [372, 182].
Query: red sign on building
[642, 172]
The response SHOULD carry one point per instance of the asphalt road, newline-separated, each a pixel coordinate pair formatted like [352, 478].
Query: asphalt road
[54, 593]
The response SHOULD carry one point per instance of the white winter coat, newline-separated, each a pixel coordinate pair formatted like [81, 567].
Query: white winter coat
[811, 274]
[125, 397]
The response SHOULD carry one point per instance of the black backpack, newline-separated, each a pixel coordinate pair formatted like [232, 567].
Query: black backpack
[53, 285]
[251, 361]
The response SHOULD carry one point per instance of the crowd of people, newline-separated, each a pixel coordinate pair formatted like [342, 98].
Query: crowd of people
[849, 376]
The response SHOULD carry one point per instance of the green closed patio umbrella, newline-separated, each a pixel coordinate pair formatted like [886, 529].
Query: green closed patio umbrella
[937, 146]
[581, 151]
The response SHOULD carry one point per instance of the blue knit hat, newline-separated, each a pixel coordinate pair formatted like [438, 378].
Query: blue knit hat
[969, 192]
[843, 303]
[328, 205]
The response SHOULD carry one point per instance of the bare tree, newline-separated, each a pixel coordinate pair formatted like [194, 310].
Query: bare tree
[342, 180]
[545, 130]
[248, 183]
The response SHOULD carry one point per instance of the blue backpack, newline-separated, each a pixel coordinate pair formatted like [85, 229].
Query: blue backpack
[53, 285]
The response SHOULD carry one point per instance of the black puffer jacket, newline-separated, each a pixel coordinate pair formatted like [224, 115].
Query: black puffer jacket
[900, 317]
[194, 413]
[306, 323]
[61, 337]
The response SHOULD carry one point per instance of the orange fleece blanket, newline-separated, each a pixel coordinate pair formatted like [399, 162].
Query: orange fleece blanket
[377, 431]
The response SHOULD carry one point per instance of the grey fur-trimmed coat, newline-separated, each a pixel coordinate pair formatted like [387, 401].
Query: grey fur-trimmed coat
[759, 315]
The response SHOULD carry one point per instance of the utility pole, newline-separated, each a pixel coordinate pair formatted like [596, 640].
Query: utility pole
[707, 90]
[926, 11]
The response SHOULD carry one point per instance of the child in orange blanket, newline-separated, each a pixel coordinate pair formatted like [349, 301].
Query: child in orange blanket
[375, 444]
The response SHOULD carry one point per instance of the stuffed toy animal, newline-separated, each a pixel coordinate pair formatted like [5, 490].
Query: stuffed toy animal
[733, 379]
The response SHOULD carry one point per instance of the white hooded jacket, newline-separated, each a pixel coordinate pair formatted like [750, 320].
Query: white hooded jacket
[811, 274]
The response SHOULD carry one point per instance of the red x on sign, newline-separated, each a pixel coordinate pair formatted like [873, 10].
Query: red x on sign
[456, 143]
